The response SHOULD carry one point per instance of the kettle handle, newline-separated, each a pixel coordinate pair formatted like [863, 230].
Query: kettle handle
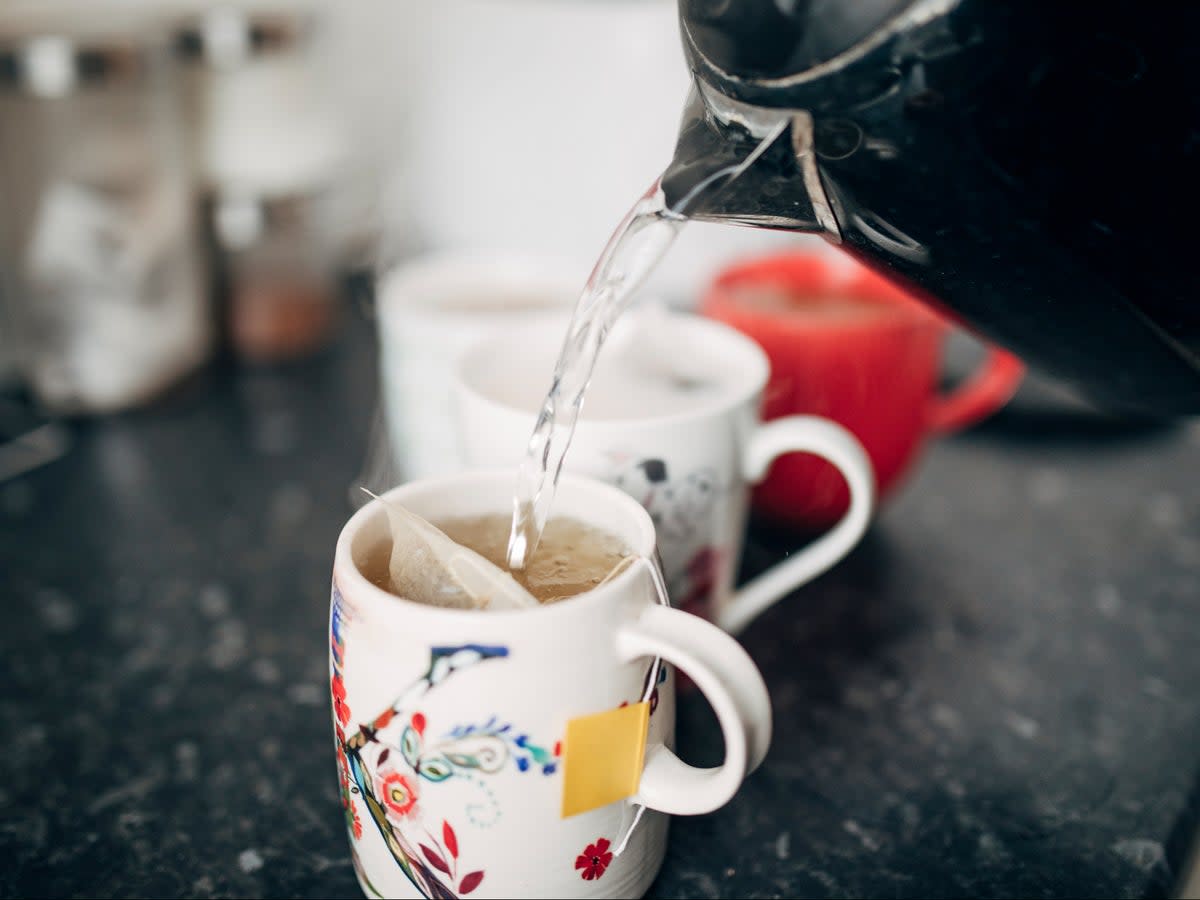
[983, 393]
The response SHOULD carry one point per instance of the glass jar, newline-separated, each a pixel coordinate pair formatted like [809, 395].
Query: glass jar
[277, 273]
[99, 237]
[270, 156]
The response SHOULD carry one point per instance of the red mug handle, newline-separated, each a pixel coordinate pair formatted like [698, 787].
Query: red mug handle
[985, 391]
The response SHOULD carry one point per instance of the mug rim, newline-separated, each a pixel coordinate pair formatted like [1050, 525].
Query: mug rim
[753, 382]
[352, 583]
[406, 291]
[892, 307]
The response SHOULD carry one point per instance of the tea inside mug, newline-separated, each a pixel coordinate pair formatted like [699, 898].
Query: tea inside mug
[425, 566]
[459, 563]
[572, 558]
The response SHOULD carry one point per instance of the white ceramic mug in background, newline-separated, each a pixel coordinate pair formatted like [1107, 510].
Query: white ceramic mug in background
[428, 310]
[691, 468]
[451, 725]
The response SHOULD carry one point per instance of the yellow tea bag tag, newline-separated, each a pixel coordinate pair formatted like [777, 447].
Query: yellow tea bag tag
[603, 757]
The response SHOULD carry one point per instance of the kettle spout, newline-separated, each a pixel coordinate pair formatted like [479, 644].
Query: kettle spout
[747, 166]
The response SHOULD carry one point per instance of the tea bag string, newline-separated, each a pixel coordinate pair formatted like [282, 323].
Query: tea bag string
[654, 566]
[635, 813]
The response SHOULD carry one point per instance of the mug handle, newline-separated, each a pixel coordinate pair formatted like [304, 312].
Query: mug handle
[983, 393]
[733, 686]
[832, 442]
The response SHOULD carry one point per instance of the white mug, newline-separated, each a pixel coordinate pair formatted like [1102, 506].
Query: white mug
[429, 309]
[452, 726]
[691, 468]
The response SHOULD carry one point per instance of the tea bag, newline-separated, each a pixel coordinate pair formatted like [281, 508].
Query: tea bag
[427, 567]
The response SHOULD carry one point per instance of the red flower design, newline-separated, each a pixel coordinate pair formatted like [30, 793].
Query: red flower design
[397, 794]
[382, 720]
[418, 723]
[594, 860]
[340, 709]
[348, 806]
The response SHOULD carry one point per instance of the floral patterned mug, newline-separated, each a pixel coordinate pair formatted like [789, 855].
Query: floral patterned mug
[464, 738]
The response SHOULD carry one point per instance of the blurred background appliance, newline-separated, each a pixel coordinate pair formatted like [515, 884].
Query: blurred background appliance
[104, 300]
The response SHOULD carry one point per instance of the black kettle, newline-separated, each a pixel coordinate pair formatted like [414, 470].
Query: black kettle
[1023, 165]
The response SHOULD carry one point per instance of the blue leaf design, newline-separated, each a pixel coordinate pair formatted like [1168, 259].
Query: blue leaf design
[482, 649]
[522, 764]
[521, 739]
[549, 769]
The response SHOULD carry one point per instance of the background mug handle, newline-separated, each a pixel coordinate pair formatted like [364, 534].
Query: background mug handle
[831, 442]
[987, 389]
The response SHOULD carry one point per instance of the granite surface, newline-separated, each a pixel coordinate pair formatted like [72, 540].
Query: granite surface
[995, 695]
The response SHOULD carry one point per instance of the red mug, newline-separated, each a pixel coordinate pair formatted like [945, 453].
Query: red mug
[849, 345]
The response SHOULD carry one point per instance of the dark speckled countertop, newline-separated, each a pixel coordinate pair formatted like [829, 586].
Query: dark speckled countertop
[995, 695]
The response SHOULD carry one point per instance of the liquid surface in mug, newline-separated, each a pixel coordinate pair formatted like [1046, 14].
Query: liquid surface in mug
[779, 299]
[635, 383]
[498, 300]
[571, 559]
